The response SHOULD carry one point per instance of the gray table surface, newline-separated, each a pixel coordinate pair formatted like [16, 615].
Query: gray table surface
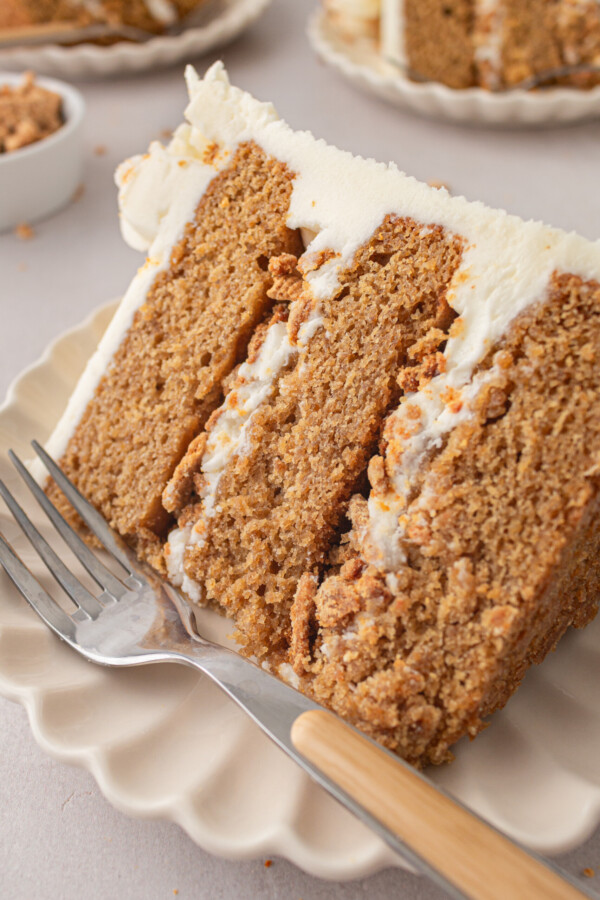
[59, 837]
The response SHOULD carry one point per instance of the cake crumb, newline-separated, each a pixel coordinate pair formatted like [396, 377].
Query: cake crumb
[100, 150]
[439, 185]
[175, 891]
[589, 872]
[24, 231]
[268, 863]
[78, 193]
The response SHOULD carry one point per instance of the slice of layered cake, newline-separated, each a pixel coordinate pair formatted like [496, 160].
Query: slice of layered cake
[357, 415]
[149, 15]
[494, 44]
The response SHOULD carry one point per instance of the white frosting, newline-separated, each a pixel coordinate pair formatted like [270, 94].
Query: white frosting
[393, 38]
[488, 37]
[94, 7]
[339, 201]
[179, 539]
[163, 11]
[286, 673]
[230, 430]
[354, 20]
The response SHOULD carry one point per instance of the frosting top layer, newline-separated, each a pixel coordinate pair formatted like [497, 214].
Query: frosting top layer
[340, 200]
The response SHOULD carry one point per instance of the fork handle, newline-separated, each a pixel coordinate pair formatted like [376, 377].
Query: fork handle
[481, 862]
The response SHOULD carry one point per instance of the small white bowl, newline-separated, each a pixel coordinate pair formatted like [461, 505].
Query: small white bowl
[39, 179]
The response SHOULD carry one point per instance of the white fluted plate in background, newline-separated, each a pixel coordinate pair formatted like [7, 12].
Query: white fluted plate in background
[162, 741]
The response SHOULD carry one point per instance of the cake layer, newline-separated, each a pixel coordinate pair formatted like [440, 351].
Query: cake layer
[500, 546]
[282, 497]
[193, 327]
[438, 40]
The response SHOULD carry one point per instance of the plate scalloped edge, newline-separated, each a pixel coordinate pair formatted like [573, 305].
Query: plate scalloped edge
[366, 70]
[168, 744]
[90, 60]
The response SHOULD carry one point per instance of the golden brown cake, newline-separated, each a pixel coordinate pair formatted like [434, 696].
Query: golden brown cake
[495, 44]
[355, 414]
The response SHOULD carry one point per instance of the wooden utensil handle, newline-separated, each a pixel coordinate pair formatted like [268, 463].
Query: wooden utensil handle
[482, 863]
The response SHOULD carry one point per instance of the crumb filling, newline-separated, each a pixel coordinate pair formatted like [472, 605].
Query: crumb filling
[28, 113]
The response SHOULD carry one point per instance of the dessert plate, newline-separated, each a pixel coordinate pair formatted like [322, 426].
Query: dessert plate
[363, 65]
[90, 60]
[162, 741]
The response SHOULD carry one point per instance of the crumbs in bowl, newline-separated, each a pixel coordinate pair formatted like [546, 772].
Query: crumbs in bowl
[28, 113]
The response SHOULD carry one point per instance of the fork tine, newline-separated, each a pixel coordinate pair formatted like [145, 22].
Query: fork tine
[101, 575]
[88, 513]
[70, 584]
[34, 593]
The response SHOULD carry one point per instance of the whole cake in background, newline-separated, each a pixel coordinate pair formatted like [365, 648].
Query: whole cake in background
[355, 414]
[493, 44]
[150, 15]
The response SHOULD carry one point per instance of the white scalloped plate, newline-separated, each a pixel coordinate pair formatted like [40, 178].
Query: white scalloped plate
[364, 67]
[85, 60]
[162, 741]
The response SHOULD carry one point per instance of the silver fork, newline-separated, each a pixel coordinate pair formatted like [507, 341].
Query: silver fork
[135, 618]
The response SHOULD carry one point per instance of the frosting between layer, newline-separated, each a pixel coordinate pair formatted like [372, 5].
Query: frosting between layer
[164, 11]
[488, 38]
[393, 38]
[228, 436]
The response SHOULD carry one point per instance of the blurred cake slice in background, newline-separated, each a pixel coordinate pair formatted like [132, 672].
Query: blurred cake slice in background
[149, 15]
[495, 44]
